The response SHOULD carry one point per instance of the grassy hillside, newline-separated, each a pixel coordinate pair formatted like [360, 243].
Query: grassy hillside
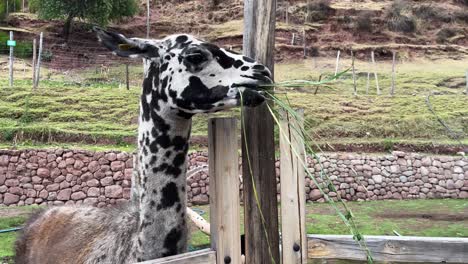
[87, 112]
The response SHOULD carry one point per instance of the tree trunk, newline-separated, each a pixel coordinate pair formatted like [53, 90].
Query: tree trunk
[67, 27]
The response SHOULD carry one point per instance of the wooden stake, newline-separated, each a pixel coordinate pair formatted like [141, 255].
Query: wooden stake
[368, 83]
[148, 18]
[258, 144]
[287, 13]
[127, 76]
[11, 60]
[392, 90]
[34, 63]
[39, 59]
[294, 241]
[354, 73]
[304, 42]
[466, 82]
[375, 72]
[337, 62]
[293, 39]
[224, 183]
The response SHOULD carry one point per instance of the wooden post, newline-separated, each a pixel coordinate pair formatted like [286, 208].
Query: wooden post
[375, 72]
[224, 183]
[392, 90]
[304, 42]
[127, 76]
[258, 145]
[368, 83]
[148, 12]
[466, 82]
[287, 12]
[337, 62]
[23, 6]
[11, 61]
[34, 63]
[354, 73]
[38, 67]
[294, 241]
[293, 39]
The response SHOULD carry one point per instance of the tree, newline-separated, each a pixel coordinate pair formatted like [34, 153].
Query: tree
[95, 11]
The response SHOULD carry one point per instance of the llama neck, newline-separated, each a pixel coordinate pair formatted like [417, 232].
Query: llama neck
[163, 144]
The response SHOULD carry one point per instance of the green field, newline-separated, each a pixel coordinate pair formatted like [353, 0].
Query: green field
[95, 110]
[438, 218]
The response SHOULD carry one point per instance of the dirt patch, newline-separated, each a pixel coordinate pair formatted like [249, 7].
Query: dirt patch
[14, 212]
[431, 216]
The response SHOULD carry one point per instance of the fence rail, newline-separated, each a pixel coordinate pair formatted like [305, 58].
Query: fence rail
[390, 248]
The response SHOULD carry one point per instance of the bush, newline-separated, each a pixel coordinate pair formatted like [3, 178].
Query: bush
[364, 23]
[398, 20]
[33, 6]
[47, 55]
[318, 10]
[11, 7]
[444, 34]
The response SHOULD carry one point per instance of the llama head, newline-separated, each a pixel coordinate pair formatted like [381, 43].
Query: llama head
[190, 76]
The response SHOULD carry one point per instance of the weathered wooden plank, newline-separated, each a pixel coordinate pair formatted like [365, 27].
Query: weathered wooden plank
[294, 243]
[224, 183]
[205, 256]
[390, 248]
[258, 146]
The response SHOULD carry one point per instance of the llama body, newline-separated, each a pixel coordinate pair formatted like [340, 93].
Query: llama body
[183, 76]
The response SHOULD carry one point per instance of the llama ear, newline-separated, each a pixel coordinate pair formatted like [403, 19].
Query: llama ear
[126, 47]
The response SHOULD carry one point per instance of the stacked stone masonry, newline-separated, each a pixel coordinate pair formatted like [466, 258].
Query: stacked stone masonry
[56, 177]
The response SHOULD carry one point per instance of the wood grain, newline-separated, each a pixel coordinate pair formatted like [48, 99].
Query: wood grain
[390, 248]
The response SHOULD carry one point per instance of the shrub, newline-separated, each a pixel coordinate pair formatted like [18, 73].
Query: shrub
[364, 22]
[318, 10]
[11, 7]
[444, 34]
[23, 49]
[47, 55]
[397, 20]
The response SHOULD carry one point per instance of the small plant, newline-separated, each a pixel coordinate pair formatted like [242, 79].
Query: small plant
[399, 18]
[364, 22]
[445, 34]
[47, 55]
[318, 10]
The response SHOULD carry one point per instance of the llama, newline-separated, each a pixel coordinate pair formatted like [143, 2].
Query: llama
[183, 76]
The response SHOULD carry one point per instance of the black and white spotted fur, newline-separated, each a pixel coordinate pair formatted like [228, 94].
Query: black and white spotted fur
[183, 76]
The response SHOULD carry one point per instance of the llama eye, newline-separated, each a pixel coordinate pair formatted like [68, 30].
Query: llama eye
[195, 58]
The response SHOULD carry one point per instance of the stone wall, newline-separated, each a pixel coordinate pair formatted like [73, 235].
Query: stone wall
[56, 177]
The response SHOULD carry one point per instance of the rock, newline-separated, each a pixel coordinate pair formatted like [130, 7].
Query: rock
[459, 184]
[111, 156]
[457, 169]
[315, 195]
[397, 196]
[9, 199]
[377, 178]
[117, 165]
[426, 161]
[424, 171]
[2, 179]
[93, 166]
[107, 181]
[414, 190]
[403, 179]
[113, 191]
[128, 174]
[118, 176]
[78, 196]
[12, 182]
[16, 190]
[200, 199]
[64, 195]
[450, 185]
[90, 201]
[78, 164]
[463, 195]
[53, 187]
[93, 192]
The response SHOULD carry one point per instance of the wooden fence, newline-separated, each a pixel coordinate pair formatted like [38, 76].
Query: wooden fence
[296, 247]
